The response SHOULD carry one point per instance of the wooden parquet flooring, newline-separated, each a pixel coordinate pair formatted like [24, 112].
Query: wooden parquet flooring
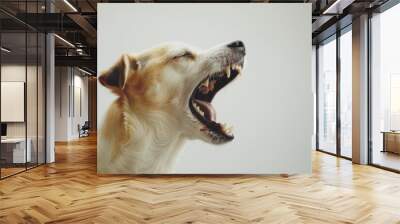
[70, 191]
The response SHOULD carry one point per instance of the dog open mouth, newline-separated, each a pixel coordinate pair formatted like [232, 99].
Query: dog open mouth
[203, 94]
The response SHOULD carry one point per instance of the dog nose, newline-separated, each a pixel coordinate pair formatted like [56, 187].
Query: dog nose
[237, 45]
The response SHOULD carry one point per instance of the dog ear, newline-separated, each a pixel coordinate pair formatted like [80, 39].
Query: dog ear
[115, 77]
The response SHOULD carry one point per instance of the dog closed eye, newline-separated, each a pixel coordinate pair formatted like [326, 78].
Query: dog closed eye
[186, 54]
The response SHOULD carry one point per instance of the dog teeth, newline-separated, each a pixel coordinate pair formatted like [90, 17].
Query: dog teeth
[198, 108]
[224, 126]
[235, 67]
[207, 82]
[228, 71]
[227, 129]
[203, 89]
[238, 68]
[211, 85]
[207, 85]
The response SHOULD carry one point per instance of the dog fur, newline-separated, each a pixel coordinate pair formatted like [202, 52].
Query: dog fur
[145, 127]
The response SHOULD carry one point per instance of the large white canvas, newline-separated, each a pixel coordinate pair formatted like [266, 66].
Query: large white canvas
[270, 106]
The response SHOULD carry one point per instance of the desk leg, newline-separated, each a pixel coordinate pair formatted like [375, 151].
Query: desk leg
[384, 142]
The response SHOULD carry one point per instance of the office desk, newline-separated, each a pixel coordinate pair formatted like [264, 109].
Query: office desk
[13, 150]
[391, 141]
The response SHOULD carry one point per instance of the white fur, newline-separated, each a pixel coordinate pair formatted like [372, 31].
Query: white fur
[156, 136]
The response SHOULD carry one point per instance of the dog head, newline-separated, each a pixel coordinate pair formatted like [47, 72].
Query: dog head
[181, 81]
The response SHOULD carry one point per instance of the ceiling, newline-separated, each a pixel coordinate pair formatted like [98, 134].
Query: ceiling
[76, 21]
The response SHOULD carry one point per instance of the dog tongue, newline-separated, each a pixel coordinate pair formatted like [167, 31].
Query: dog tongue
[208, 109]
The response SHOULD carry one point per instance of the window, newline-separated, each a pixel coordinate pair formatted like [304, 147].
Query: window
[327, 96]
[346, 94]
[333, 137]
[385, 89]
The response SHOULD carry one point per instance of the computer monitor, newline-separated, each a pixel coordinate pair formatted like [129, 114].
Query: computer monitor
[3, 129]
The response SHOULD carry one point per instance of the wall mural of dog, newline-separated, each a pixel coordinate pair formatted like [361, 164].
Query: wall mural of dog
[164, 97]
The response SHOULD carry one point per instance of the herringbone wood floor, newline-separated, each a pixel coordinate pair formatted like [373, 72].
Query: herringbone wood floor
[69, 191]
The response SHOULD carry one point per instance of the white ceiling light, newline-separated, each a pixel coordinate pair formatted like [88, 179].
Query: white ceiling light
[65, 41]
[79, 51]
[5, 50]
[70, 5]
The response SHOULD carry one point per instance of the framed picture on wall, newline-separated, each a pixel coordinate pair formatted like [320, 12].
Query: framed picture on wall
[204, 88]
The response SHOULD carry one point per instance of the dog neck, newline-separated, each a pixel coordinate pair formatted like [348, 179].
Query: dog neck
[148, 143]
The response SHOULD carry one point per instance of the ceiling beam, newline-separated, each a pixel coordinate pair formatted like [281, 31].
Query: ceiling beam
[332, 29]
[320, 22]
[337, 6]
[81, 61]
[84, 24]
[49, 22]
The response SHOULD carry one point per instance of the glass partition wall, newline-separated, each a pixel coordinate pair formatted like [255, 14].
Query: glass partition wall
[334, 93]
[22, 77]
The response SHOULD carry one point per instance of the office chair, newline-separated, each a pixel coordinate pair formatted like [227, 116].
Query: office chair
[84, 130]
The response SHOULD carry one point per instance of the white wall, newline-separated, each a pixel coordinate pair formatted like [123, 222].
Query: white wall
[12, 73]
[80, 104]
[70, 83]
[61, 103]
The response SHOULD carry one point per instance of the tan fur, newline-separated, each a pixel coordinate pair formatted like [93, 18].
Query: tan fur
[144, 128]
